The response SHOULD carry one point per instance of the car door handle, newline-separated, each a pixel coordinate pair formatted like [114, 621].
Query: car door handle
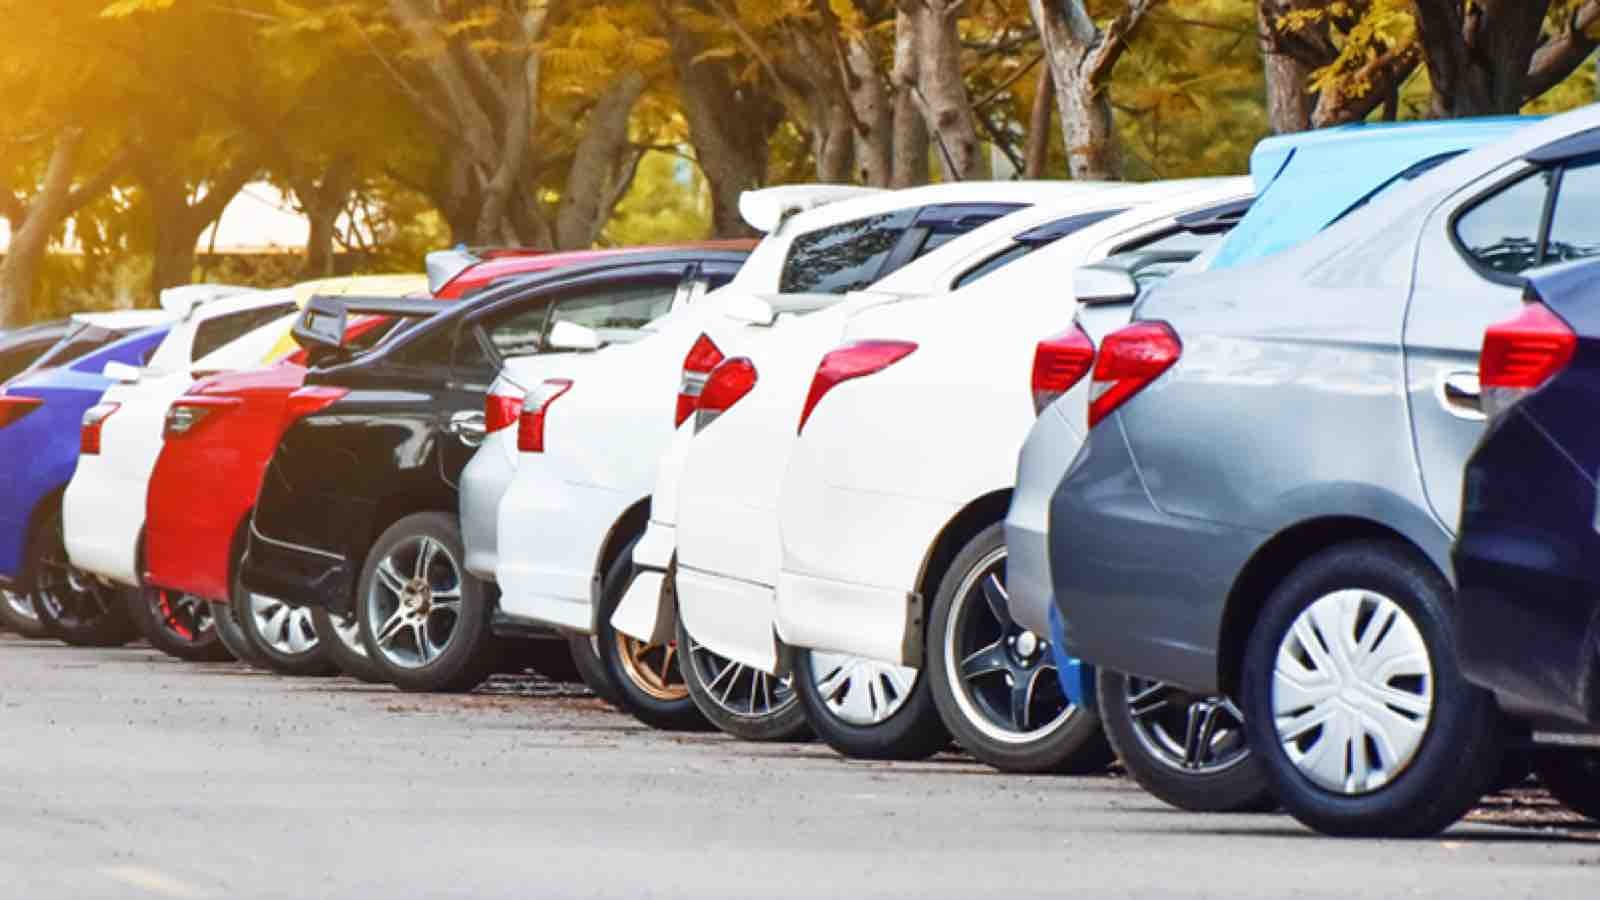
[1461, 395]
[469, 427]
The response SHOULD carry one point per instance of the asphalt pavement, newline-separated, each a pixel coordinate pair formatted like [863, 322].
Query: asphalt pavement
[126, 774]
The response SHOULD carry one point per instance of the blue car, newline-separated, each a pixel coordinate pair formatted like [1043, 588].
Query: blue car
[1528, 595]
[41, 413]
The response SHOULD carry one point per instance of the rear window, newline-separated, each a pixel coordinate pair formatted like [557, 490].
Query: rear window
[219, 331]
[79, 342]
[845, 257]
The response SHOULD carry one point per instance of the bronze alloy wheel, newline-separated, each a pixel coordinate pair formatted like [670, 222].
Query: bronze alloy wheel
[653, 668]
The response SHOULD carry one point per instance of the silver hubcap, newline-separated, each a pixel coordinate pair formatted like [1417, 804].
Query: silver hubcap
[286, 629]
[1002, 675]
[348, 630]
[861, 691]
[737, 688]
[1352, 691]
[1193, 734]
[20, 606]
[414, 603]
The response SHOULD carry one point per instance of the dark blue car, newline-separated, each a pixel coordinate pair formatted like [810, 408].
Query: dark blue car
[1527, 556]
[40, 416]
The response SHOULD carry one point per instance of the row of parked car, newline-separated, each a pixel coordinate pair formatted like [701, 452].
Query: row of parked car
[1062, 472]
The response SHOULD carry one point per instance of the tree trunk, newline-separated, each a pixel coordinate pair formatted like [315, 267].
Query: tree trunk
[1289, 102]
[322, 201]
[1478, 56]
[179, 223]
[599, 173]
[1081, 58]
[1044, 98]
[835, 139]
[911, 141]
[941, 89]
[874, 121]
[31, 227]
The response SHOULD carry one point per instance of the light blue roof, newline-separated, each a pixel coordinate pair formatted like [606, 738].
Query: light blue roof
[1304, 182]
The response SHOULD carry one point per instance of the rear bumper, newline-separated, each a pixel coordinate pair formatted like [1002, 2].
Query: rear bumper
[845, 617]
[733, 618]
[299, 576]
[550, 535]
[483, 483]
[1045, 457]
[103, 517]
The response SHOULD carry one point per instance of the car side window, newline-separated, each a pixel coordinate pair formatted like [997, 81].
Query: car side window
[519, 332]
[617, 312]
[1502, 232]
[1574, 230]
[219, 331]
[844, 257]
[993, 264]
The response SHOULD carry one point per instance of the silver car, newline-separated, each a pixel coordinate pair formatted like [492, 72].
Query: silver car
[1264, 507]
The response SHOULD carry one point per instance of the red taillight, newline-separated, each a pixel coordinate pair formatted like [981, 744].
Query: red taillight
[729, 382]
[308, 400]
[94, 418]
[1521, 355]
[186, 413]
[530, 429]
[13, 408]
[500, 411]
[852, 360]
[1129, 360]
[704, 356]
[1060, 362]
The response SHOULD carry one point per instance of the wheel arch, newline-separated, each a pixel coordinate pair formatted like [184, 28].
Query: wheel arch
[51, 499]
[632, 523]
[989, 509]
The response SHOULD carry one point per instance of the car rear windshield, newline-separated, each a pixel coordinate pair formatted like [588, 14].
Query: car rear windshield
[79, 342]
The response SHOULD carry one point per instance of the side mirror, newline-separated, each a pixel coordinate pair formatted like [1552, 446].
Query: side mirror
[1104, 284]
[320, 329]
[750, 310]
[121, 372]
[573, 337]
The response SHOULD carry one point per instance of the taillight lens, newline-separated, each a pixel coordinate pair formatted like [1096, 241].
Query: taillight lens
[1130, 360]
[729, 382]
[704, 356]
[530, 428]
[94, 418]
[1522, 355]
[852, 360]
[186, 413]
[500, 411]
[13, 408]
[312, 399]
[1059, 363]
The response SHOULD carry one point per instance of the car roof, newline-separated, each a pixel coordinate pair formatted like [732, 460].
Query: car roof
[495, 268]
[1022, 193]
[125, 319]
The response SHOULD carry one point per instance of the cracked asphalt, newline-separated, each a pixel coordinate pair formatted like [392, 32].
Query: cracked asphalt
[126, 774]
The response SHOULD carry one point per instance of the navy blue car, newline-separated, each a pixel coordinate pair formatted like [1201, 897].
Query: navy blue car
[1528, 595]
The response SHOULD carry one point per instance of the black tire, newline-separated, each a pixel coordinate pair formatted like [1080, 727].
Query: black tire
[232, 636]
[21, 617]
[352, 660]
[740, 701]
[399, 619]
[912, 731]
[1572, 777]
[547, 656]
[1011, 677]
[73, 608]
[585, 650]
[647, 677]
[303, 656]
[1458, 750]
[179, 625]
[1174, 763]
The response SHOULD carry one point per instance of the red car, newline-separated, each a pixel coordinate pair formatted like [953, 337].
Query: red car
[220, 437]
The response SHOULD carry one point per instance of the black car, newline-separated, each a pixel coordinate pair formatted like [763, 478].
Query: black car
[364, 483]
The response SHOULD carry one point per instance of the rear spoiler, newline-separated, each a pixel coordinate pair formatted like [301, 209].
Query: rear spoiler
[182, 300]
[321, 326]
[1115, 279]
[443, 266]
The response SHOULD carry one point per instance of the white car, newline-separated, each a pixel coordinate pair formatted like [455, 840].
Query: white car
[568, 522]
[882, 537]
[220, 330]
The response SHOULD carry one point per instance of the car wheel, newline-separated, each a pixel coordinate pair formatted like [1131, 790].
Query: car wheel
[647, 676]
[283, 636]
[71, 606]
[867, 709]
[424, 620]
[1185, 749]
[347, 651]
[179, 625]
[741, 701]
[232, 636]
[994, 682]
[586, 658]
[1572, 777]
[16, 614]
[1354, 703]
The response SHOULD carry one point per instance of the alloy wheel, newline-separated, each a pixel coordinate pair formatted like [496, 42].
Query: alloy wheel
[347, 627]
[861, 691]
[653, 668]
[417, 598]
[1185, 731]
[1004, 676]
[286, 629]
[1352, 691]
[185, 616]
[72, 599]
[738, 689]
[20, 605]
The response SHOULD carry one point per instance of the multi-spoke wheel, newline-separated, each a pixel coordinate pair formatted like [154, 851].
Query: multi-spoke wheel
[180, 625]
[740, 700]
[73, 607]
[648, 677]
[867, 709]
[347, 651]
[424, 621]
[16, 614]
[995, 683]
[1354, 702]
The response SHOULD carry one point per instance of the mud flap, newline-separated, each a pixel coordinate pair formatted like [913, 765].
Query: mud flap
[645, 612]
[1077, 676]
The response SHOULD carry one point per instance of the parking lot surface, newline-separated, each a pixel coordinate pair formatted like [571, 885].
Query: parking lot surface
[128, 774]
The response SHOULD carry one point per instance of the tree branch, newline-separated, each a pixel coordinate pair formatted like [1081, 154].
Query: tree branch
[1564, 52]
